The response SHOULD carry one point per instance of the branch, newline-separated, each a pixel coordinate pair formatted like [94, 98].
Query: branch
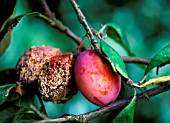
[58, 25]
[83, 21]
[111, 107]
[47, 10]
[61, 27]
[133, 59]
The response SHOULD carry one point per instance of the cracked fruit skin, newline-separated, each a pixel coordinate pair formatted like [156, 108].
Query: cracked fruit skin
[95, 78]
[47, 72]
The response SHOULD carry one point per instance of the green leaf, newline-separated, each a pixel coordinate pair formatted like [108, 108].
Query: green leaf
[8, 114]
[114, 58]
[6, 9]
[5, 42]
[156, 81]
[160, 59]
[115, 32]
[9, 25]
[26, 115]
[127, 114]
[18, 114]
[5, 93]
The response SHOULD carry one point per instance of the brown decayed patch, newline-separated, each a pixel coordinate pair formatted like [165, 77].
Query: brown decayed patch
[51, 70]
[31, 64]
[56, 85]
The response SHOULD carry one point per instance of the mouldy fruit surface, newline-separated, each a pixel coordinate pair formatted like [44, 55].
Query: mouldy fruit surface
[58, 85]
[31, 64]
[48, 71]
[95, 78]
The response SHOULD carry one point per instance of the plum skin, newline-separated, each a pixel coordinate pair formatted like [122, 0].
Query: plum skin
[95, 78]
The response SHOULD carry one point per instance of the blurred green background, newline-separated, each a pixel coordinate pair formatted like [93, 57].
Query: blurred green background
[146, 24]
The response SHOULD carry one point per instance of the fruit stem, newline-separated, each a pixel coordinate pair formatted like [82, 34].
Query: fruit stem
[42, 105]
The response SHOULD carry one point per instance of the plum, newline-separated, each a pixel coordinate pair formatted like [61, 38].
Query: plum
[47, 72]
[30, 65]
[58, 85]
[95, 78]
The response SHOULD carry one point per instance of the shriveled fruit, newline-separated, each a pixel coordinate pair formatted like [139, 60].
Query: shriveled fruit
[58, 85]
[95, 78]
[30, 66]
[48, 72]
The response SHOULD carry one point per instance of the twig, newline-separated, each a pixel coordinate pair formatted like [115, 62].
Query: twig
[111, 107]
[37, 112]
[83, 21]
[133, 59]
[48, 11]
[58, 25]
[61, 27]
[58, 120]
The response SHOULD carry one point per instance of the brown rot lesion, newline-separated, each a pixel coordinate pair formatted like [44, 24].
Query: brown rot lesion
[49, 71]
